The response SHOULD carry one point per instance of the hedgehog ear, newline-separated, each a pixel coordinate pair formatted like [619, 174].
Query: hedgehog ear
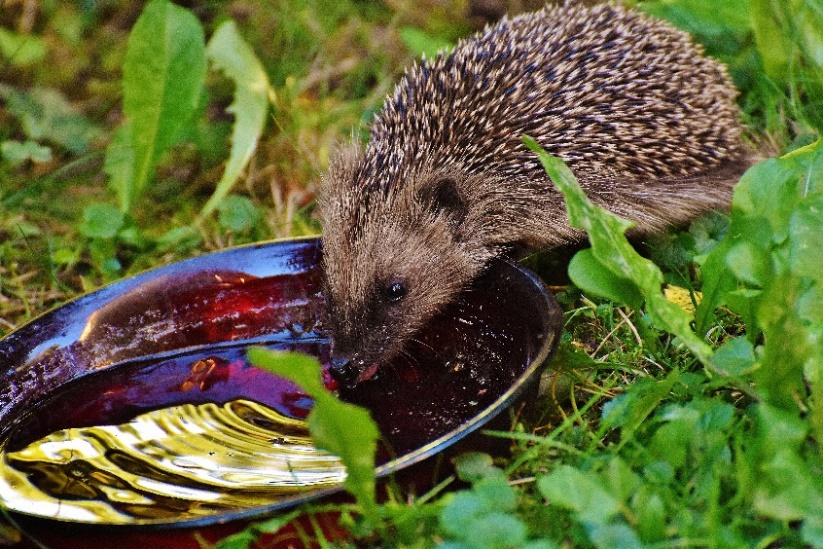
[444, 198]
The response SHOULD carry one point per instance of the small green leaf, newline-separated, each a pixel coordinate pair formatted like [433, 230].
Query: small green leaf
[620, 480]
[240, 540]
[238, 214]
[21, 50]
[462, 511]
[570, 488]
[650, 510]
[231, 54]
[46, 115]
[163, 75]
[102, 221]
[496, 530]
[496, 492]
[735, 357]
[16, 152]
[179, 238]
[629, 410]
[63, 256]
[475, 466]
[608, 536]
[420, 42]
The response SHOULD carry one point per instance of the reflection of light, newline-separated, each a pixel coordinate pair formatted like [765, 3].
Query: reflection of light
[88, 327]
[67, 450]
[207, 458]
[176, 490]
[13, 499]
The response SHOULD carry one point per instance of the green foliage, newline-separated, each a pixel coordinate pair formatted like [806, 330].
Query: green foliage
[21, 50]
[700, 469]
[231, 54]
[774, 51]
[46, 115]
[423, 44]
[484, 517]
[238, 214]
[163, 75]
[247, 537]
[768, 271]
[102, 221]
[612, 268]
[342, 429]
[15, 152]
[663, 430]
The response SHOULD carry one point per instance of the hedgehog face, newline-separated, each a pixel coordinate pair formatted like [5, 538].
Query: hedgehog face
[390, 263]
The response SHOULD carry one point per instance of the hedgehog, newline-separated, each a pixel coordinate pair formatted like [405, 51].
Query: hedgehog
[645, 120]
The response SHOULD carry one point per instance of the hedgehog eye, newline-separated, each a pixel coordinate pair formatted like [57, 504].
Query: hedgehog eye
[395, 291]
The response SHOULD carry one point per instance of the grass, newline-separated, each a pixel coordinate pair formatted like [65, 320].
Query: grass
[643, 439]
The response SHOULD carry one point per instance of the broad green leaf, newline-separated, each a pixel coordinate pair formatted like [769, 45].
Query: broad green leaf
[612, 250]
[792, 340]
[749, 263]
[735, 357]
[722, 26]
[231, 54]
[163, 74]
[343, 429]
[588, 275]
[119, 165]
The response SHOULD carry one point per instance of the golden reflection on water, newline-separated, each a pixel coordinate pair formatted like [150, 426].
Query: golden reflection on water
[177, 463]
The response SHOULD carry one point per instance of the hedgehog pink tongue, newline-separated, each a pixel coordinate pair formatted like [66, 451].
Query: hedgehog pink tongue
[368, 372]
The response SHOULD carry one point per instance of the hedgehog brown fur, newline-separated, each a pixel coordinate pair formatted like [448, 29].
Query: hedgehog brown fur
[646, 122]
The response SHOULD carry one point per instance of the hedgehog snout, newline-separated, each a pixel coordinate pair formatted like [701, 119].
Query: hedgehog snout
[343, 370]
[351, 371]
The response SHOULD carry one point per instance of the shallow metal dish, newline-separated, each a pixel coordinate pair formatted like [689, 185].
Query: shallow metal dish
[473, 361]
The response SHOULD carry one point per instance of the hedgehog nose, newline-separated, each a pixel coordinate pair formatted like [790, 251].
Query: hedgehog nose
[343, 371]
